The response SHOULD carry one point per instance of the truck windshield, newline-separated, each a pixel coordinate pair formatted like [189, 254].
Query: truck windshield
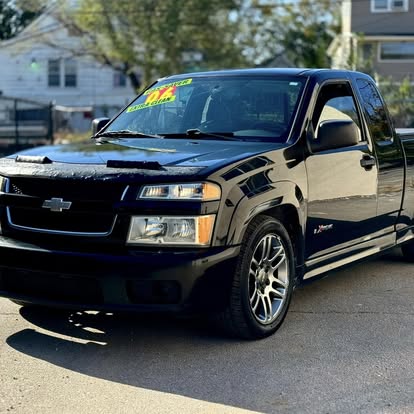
[245, 108]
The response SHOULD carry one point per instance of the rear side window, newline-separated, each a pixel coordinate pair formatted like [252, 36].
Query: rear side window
[378, 122]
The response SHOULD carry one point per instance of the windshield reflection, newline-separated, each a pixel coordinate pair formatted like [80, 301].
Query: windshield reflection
[260, 109]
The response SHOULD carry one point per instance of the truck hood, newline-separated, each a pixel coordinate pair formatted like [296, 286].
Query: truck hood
[167, 152]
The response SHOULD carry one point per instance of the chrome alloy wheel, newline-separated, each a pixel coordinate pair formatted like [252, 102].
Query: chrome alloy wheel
[268, 279]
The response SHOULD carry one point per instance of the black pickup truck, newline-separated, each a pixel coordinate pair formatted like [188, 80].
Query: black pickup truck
[217, 191]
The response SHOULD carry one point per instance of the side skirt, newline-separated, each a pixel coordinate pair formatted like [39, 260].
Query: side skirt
[347, 256]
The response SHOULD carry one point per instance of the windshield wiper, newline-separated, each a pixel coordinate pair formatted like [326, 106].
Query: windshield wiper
[200, 134]
[125, 133]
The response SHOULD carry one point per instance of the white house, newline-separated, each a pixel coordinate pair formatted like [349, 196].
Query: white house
[32, 67]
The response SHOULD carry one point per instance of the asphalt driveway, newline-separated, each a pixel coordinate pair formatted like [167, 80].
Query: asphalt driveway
[347, 346]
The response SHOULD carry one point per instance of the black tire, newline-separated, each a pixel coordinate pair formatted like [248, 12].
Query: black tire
[408, 251]
[247, 315]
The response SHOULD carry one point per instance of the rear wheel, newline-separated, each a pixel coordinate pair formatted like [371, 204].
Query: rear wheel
[263, 281]
[408, 251]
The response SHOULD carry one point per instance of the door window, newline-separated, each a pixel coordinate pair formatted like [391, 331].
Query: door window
[335, 103]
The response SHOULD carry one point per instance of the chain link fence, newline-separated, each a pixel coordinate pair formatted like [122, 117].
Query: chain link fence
[24, 124]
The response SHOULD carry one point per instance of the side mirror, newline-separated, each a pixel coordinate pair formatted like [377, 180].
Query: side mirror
[336, 134]
[98, 124]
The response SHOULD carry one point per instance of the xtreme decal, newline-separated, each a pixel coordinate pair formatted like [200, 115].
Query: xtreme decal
[323, 227]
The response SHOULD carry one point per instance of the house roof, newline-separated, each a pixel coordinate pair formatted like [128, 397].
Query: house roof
[35, 29]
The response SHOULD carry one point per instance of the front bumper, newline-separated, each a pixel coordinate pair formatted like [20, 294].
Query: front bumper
[136, 280]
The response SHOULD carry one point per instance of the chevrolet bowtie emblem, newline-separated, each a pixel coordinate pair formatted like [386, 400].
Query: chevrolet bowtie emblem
[57, 204]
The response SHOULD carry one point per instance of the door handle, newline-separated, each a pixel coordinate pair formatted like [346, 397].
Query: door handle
[367, 162]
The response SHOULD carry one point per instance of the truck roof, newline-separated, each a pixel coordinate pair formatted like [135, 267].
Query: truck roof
[270, 72]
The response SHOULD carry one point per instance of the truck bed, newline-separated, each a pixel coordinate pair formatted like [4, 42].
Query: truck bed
[405, 133]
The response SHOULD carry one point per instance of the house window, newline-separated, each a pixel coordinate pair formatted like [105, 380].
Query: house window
[53, 72]
[70, 73]
[119, 80]
[368, 51]
[396, 51]
[389, 6]
[62, 72]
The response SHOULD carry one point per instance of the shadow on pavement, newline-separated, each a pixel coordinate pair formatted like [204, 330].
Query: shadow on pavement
[324, 340]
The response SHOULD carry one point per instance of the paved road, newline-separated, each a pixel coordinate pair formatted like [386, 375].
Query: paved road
[347, 346]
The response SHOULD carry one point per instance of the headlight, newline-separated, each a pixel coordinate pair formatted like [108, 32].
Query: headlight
[3, 182]
[186, 231]
[197, 191]
[3, 185]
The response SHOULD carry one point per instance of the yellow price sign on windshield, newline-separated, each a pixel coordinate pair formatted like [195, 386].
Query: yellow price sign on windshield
[161, 94]
[183, 82]
[157, 97]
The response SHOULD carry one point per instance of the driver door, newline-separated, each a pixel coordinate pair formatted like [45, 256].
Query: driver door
[342, 183]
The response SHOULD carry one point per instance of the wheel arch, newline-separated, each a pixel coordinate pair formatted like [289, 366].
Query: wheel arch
[289, 209]
[288, 215]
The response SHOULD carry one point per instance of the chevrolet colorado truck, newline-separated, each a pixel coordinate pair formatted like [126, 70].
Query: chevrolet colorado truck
[217, 191]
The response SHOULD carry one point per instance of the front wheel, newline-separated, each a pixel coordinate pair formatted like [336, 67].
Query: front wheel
[22, 303]
[263, 281]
